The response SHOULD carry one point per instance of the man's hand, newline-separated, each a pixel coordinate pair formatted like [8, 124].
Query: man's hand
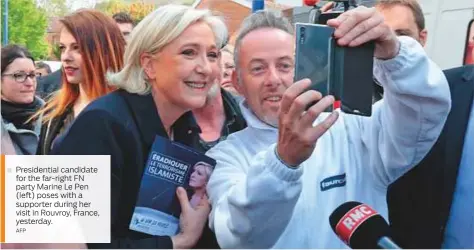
[327, 7]
[296, 135]
[191, 221]
[361, 25]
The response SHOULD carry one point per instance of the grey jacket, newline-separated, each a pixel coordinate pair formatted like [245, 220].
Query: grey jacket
[24, 141]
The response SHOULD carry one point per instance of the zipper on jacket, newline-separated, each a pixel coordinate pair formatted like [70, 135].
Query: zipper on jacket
[46, 136]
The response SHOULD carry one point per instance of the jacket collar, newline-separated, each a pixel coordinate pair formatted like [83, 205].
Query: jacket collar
[468, 75]
[251, 119]
[148, 121]
[453, 135]
[36, 128]
[230, 111]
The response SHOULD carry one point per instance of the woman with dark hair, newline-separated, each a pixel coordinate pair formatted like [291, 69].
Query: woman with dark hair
[18, 99]
[91, 44]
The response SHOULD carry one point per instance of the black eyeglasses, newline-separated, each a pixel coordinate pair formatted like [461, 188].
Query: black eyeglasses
[21, 76]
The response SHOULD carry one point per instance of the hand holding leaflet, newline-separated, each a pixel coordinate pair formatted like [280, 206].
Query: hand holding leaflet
[172, 199]
[191, 221]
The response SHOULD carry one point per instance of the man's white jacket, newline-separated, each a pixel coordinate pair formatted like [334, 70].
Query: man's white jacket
[258, 202]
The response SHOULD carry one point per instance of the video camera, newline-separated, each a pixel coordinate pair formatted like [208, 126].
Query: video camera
[316, 16]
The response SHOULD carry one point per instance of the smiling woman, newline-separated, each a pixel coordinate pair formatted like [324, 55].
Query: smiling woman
[171, 61]
[19, 101]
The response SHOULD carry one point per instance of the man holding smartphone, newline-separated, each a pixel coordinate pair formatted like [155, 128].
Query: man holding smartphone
[277, 181]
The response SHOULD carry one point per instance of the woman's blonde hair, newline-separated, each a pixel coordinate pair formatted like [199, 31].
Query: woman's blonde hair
[206, 167]
[154, 32]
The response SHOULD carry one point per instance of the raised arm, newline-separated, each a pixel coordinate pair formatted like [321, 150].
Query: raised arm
[251, 203]
[409, 119]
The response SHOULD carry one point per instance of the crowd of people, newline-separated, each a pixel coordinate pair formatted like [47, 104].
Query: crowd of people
[175, 75]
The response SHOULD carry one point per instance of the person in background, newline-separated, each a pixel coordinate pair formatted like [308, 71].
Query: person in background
[274, 182]
[431, 206]
[405, 17]
[43, 69]
[217, 119]
[19, 102]
[49, 84]
[220, 116]
[469, 58]
[228, 67]
[470, 52]
[125, 23]
[91, 44]
[171, 63]
[7, 147]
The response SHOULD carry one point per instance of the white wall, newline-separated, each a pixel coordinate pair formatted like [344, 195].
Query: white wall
[446, 21]
[447, 24]
[54, 65]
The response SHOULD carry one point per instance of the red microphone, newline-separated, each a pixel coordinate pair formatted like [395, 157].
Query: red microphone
[349, 223]
[310, 2]
[360, 226]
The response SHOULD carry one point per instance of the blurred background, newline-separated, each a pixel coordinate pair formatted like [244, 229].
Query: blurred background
[35, 23]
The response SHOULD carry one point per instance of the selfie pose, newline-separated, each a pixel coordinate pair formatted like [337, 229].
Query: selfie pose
[277, 181]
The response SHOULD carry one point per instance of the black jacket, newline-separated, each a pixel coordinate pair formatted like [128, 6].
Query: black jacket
[49, 131]
[124, 126]
[234, 121]
[419, 202]
[49, 84]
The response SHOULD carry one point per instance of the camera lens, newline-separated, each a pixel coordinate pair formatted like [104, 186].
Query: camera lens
[302, 35]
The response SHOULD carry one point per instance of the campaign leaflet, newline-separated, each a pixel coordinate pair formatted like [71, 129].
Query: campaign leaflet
[169, 166]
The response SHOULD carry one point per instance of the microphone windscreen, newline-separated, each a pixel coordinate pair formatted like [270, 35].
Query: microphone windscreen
[358, 225]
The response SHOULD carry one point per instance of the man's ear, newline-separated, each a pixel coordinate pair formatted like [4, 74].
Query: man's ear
[235, 82]
[146, 61]
[423, 37]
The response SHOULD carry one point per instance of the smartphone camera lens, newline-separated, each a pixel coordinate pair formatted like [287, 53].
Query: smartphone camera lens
[302, 36]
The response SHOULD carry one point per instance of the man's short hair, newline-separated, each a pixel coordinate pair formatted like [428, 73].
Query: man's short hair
[123, 17]
[42, 65]
[259, 20]
[413, 5]
[228, 48]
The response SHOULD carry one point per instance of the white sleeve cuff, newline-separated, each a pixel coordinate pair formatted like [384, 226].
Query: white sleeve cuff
[408, 47]
[279, 168]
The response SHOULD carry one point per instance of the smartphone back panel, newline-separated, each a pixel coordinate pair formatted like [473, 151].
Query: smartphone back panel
[352, 78]
[313, 53]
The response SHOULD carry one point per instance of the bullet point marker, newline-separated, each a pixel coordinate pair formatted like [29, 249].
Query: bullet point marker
[9, 170]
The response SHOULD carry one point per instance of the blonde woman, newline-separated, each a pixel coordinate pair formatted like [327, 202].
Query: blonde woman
[198, 180]
[170, 63]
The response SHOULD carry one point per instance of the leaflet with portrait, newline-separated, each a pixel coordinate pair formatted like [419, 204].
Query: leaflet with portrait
[169, 166]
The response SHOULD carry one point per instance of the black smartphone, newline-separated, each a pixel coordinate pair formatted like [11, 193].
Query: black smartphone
[324, 17]
[352, 78]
